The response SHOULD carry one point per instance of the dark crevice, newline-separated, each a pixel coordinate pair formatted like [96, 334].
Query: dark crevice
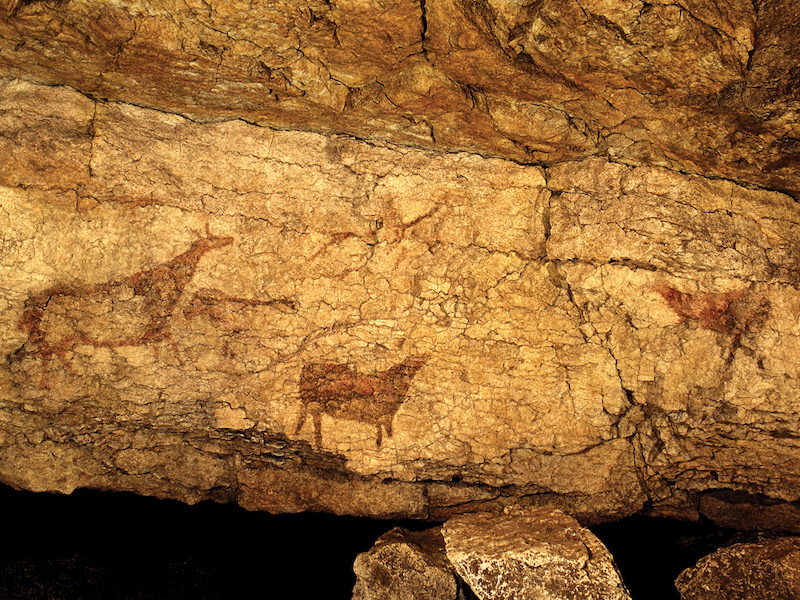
[424, 20]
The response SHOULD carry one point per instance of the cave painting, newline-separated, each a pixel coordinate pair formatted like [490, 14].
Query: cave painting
[218, 306]
[339, 391]
[730, 313]
[133, 311]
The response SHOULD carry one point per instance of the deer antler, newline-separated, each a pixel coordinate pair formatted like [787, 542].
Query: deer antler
[199, 234]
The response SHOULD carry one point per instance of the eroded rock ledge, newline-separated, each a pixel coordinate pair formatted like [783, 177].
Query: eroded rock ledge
[309, 322]
[701, 86]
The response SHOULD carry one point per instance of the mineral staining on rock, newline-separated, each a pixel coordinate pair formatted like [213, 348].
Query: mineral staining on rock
[303, 321]
[693, 85]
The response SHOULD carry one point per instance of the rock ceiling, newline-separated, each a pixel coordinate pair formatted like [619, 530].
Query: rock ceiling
[702, 86]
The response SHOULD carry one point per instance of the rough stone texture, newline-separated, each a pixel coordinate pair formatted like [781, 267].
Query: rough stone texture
[536, 554]
[761, 571]
[735, 509]
[404, 564]
[691, 283]
[309, 322]
[704, 86]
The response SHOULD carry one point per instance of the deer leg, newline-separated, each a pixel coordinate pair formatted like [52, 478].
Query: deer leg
[47, 359]
[60, 355]
[379, 438]
[59, 350]
[174, 345]
[44, 382]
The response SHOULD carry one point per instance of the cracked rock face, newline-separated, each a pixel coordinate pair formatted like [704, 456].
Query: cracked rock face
[437, 258]
[703, 86]
[300, 321]
[536, 554]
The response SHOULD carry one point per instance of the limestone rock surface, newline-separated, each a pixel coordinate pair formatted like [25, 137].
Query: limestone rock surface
[536, 554]
[301, 321]
[405, 564]
[701, 86]
[767, 570]
[737, 509]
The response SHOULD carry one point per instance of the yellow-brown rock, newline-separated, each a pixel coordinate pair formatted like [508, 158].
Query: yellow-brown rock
[762, 570]
[413, 260]
[698, 85]
[536, 553]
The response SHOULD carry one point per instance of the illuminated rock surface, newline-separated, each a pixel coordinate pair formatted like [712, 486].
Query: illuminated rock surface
[537, 554]
[756, 571]
[405, 564]
[441, 258]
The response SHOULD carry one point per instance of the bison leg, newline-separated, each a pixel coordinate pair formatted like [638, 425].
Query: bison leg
[388, 425]
[318, 429]
[174, 346]
[302, 419]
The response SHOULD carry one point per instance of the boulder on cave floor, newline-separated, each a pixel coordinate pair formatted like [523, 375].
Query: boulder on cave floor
[540, 554]
[406, 564]
[768, 570]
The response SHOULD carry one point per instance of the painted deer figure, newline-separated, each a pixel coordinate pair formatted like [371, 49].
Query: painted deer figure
[339, 391]
[132, 311]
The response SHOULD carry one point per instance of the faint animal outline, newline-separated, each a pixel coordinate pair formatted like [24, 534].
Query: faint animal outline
[338, 390]
[161, 286]
[729, 313]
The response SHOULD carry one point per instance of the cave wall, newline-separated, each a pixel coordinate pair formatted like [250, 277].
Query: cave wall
[404, 261]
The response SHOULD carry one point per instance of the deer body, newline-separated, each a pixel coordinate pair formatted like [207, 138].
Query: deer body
[339, 391]
[135, 310]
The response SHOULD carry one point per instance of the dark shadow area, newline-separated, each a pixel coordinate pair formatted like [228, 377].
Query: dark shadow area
[110, 546]
[96, 545]
[651, 552]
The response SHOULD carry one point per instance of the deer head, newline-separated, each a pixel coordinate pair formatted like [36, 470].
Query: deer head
[210, 241]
